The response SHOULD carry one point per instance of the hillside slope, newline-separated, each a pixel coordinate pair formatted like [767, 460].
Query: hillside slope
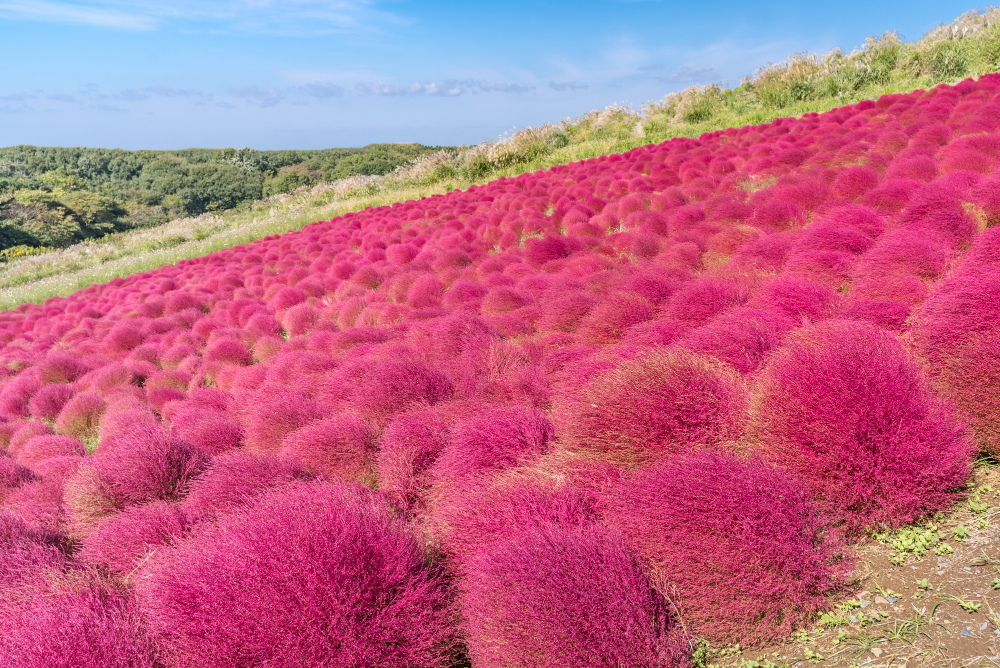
[969, 46]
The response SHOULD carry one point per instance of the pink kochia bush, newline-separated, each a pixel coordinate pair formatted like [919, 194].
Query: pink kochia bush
[493, 364]
[150, 465]
[737, 540]
[565, 596]
[311, 574]
[662, 402]
[844, 408]
[958, 333]
[77, 624]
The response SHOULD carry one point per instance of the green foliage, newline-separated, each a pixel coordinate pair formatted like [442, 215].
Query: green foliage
[55, 197]
[371, 160]
[912, 540]
[286, 182]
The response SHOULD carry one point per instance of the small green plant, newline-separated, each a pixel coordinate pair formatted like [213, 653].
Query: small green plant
[944, 549]
[961, 533]
[925, 584]
[912, 540]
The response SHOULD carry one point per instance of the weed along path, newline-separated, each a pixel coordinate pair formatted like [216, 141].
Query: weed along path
[725, 400]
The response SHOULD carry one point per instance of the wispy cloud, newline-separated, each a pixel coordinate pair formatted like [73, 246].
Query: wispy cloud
[262, 16]
[689, 75]
[100, 14]
[321, 90]
[562, 86]
[447, 88]
[259, 97]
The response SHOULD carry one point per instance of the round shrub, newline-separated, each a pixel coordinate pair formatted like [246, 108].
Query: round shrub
[311, 574]
[77, 625]
[39, 448]
[48, 401]
[737, 540]
[492, 439]
[558, 596]
[486, 510]
[27, 555]
[121, 542]
[741, 336]
[956, 332]
[608, 319]
[667, 400]
[274, 415]
[391, 386]
[844, 408]
[338, 448]
[234, 479]
[80, 416]
[147, 464]
[410, 444]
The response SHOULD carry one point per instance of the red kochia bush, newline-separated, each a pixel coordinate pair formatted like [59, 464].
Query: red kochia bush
[234, 479]
[26, 555]
[490, 440]
[391, 386]
[39, 448]
[341, 447]
[410, 444]
[120, 542]
[80, 416]
[148, 464]
[665, 401]
[558, 596]
[738, 540]
[313, 574]
[48, 401]
[276, 414]
[844, 408]
[957, 331]
[78, 625]
[484, 511]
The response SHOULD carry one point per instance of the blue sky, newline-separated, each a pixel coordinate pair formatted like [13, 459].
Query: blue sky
[165, 74]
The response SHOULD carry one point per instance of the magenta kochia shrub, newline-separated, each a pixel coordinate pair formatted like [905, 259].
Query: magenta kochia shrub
[665, 401]
[151, 465]
[84, 622]
[275, 414]
[410, 445]
[484, 511]
[844, 408]
[957, 332]
[121, 542]
[491, 440]
[341, 447]
[311, 574]
[566, 596]
[234, 479]
[736, 540]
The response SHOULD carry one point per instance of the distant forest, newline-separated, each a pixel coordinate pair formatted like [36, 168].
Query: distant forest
[53, 197]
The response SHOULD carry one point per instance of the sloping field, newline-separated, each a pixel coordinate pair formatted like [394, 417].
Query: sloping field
[582, 417]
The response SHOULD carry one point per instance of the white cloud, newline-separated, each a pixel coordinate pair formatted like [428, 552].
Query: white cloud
[259, 97]
[261, 16]
[447, 88]
[562, 86]
[688, 74]
[93, 14]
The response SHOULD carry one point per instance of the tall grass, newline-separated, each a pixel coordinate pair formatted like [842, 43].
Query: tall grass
[967, 47]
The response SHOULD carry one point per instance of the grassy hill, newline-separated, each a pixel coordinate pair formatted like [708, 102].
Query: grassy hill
[804, 83]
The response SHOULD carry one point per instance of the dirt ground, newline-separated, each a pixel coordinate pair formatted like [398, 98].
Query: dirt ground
[924, 596]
